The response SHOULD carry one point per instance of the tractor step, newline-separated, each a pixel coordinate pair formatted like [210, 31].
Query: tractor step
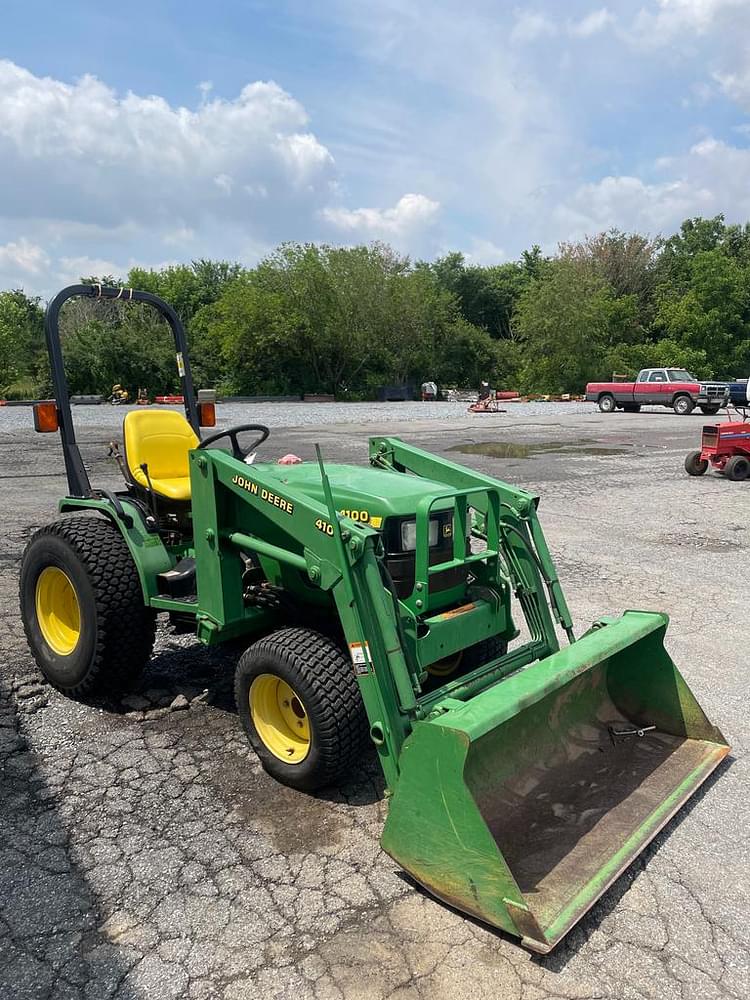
[178, 582]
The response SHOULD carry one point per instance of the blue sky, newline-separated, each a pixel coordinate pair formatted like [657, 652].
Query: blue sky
[159, 132]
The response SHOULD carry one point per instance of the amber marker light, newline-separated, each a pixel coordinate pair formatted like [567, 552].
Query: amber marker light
[207, 414]
[45, 417]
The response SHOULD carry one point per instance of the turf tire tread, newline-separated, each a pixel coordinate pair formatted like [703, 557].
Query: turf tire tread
[126, 627]
[327, 670]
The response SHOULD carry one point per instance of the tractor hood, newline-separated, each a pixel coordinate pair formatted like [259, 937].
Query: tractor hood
[361, 492]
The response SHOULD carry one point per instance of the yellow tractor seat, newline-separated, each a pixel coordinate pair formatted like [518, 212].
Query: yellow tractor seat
[160, 439]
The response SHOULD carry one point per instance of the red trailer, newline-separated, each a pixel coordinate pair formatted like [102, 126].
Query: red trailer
[724, 446]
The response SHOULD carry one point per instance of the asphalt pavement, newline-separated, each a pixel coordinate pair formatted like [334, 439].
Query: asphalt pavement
[145, 854]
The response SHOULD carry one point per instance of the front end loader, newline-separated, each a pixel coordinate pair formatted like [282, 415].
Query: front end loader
[412, 603]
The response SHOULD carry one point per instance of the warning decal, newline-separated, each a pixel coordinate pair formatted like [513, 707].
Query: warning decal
[360, 654]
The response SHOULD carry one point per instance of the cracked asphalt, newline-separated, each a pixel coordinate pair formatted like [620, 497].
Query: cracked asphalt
[145, 854]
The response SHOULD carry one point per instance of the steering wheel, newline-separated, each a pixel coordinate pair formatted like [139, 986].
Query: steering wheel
[232, 432]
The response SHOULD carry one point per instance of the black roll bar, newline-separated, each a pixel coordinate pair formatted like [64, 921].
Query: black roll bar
[78, 480]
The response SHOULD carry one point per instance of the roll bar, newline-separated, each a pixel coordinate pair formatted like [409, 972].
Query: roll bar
[78, 480]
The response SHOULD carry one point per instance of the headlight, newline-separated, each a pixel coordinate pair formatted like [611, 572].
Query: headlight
[409, 534]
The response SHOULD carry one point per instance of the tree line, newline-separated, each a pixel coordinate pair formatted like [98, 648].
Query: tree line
[347, 320]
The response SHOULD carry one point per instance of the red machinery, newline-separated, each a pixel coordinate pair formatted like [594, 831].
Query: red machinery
[488, 405]
[726, 447]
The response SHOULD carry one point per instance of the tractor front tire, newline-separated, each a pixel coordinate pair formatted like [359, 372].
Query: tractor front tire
[737, 468]
[710, 409]
[300, 706]
[82, 607]
[632, 407]
[452, 667]
[695, 465]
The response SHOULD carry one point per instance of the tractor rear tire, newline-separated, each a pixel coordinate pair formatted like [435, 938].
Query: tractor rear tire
[82, 607]
[484, 651]
[607, 403]
[631, 407]
[710, 409]
[683, 406]
[737, 468]
[695, 465]
[300, 706]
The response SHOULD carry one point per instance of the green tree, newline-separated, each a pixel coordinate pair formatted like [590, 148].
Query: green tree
[186, 287]
[339, 297]
[627, 262]
[487, 296]
[21, 342]
[467, 355]
[138, 352]
[567, 319]
[628, 359]
[248, 341]
[696, 235]
[712, 314]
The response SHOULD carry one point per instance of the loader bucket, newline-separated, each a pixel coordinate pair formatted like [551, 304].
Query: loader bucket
[524, 803]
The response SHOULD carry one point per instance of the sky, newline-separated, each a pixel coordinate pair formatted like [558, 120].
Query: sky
[160, 132]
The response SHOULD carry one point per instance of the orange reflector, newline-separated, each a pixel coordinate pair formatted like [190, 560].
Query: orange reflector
[45, 417]
[207, 414]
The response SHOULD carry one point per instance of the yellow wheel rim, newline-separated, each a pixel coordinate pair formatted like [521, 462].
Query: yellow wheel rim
[280, 718]
[58, 611]
[446, 666]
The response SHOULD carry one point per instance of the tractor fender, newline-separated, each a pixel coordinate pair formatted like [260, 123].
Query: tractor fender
[146, 548]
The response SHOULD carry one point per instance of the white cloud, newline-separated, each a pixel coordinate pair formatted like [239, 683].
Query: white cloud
[736, 85]
[710, 177]
[411, 212]
[92, 177]
[80, 161]
[224, 183]
[497, 133]
[530, 25]
[592, 23]
[670, 19]
[70, 270]
[22, 257]
[490, 114]
[712, 34]
[81, 149]
[485, 252]
[624, 202]
[694, 15]
[178, 236]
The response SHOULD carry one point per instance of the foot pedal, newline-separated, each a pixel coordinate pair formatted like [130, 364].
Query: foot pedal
[180, 581]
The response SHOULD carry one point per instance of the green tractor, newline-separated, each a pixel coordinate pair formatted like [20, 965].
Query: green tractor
[412, 603]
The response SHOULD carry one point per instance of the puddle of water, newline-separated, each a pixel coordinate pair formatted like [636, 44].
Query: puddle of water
[512, 449]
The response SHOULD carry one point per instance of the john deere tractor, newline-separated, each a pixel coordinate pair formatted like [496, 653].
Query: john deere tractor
[378, 603]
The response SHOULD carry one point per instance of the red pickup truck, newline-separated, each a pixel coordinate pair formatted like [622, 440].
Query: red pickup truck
[659, 387]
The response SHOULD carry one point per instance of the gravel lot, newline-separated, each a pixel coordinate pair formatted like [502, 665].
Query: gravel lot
[144, 853]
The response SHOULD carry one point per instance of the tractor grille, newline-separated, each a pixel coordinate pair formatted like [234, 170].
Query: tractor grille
[709, 436]
[401, 563]
[401, 568]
